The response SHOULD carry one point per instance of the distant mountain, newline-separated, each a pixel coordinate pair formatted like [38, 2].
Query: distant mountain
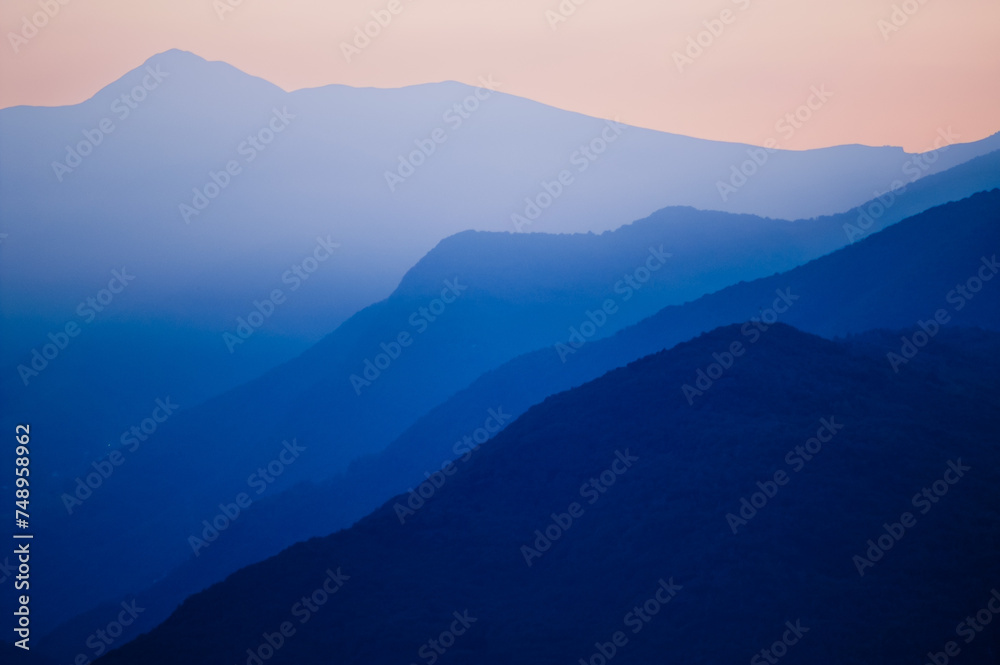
[110, 376]
[797, 501]
[889, 280]
[175, 123]
[892, 280]
[313, 162]
[475, 302]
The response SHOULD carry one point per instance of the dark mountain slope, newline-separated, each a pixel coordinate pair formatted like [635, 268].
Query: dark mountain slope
[664, 517]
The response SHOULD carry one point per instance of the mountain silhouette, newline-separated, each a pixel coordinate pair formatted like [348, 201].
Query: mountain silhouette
[322, 179]
[475, 302]
[568, 523]
[871, 284]
[323, 176]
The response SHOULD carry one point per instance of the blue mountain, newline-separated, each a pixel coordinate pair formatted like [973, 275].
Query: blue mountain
[871, 284]
[794, 505]
[109, 184]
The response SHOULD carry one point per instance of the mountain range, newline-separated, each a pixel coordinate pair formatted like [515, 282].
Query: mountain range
[617, 518]
[390, 347]
[176, 122]
[878, 286]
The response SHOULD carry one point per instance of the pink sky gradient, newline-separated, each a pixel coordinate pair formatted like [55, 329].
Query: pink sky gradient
[610, 58]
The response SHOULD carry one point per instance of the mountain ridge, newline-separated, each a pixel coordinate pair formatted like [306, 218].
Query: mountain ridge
[690, 469]
[428, 443]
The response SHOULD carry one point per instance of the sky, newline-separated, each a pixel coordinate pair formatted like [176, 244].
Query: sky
[875, 72]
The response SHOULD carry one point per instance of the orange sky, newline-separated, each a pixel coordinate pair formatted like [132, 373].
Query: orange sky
[609, 58]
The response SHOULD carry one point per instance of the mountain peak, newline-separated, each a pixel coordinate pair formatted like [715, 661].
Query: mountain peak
[193, 78]
[175, 55]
